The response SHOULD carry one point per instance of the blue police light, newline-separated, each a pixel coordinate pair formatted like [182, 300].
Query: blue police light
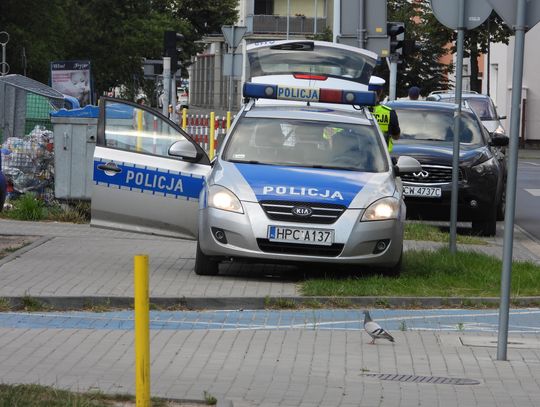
[259, 91]
[262, 91]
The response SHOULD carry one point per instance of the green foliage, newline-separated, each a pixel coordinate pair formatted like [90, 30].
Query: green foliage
[33, 395]
[421, 67]
[421, 231]
[114, 35]
[27, 207]
[31, 304]
[209, 399]
[434, 273]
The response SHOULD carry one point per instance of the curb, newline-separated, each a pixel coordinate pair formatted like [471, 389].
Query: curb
[258, 303]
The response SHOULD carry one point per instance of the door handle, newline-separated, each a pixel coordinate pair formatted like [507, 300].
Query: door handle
[109, 167]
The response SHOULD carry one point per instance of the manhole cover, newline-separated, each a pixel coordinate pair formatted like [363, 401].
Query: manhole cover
[423, 379]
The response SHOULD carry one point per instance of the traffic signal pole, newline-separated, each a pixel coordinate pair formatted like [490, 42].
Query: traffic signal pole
[392, 65]
[166, 85]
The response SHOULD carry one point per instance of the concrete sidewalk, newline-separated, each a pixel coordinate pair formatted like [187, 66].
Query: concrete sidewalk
[78, 261]
[252, 367]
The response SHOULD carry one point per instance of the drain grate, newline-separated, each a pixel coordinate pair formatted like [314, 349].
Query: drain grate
[423, 379]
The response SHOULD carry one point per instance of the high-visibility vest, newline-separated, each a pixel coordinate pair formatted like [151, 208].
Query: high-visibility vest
[382, 115]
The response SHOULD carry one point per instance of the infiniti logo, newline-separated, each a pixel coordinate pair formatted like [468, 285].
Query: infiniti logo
[421, 174]
[303, 211]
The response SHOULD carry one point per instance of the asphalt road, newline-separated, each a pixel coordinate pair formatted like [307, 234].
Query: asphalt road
[528, 196]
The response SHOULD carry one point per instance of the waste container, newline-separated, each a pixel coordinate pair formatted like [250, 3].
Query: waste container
[75, 133]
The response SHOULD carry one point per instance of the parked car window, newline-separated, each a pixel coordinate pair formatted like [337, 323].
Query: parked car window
[130, 128]
[483, 108]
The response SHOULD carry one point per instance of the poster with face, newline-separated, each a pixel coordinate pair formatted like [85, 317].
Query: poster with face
[73, 78]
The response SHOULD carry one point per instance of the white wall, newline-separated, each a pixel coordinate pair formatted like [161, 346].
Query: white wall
[501, 69]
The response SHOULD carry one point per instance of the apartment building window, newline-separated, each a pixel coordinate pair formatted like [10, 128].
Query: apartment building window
[264, 7]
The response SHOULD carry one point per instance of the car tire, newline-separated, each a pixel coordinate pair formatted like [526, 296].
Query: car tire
[204, 265]
[485, 227]
[501, 207]
[395, 270]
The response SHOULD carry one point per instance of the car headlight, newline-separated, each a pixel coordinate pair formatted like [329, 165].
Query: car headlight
[221, 198]
[485, 167]
[383, 209]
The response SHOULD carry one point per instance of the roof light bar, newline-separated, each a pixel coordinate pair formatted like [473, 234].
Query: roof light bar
[262, 91]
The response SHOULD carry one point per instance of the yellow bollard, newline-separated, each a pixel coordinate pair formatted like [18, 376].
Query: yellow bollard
[211, 142]
[142, 332]
[184, 118]
[228, 120]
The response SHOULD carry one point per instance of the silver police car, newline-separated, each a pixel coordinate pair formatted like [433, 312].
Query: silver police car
[303, 179]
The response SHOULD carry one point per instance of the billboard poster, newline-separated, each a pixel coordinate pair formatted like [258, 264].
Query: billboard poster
[73, 78]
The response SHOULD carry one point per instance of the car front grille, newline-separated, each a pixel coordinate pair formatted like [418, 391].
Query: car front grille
[300, 249]
[321, 213]
[431, 174]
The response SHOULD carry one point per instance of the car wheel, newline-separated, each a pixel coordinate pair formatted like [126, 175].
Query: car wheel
[501, 207]
[395, 270]
[485, 227]
[204, 265]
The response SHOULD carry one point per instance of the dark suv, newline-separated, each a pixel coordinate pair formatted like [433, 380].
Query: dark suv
[427, 133]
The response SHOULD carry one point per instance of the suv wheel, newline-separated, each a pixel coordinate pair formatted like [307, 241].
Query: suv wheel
[204, 265]
[485, 227]
[501, 207]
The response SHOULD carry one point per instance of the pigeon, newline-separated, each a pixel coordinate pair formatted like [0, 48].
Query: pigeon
[375, 330]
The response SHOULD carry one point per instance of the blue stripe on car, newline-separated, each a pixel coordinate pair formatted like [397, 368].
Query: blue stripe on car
[283, 183]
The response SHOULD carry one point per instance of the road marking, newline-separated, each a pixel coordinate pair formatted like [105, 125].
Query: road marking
[530, 163]
[533, 192]
[454, 320]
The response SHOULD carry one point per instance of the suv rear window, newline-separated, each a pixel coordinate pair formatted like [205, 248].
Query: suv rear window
[318, 60]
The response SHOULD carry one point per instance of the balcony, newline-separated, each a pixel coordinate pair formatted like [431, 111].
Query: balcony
[298, 25]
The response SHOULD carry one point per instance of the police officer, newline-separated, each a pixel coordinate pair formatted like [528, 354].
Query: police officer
[386, 117]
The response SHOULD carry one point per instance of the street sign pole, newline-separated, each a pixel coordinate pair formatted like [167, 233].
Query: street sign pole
[517, 79]
[457, 124]
[459, 15]
[232, 35]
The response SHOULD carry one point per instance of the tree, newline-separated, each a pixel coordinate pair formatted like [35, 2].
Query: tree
[115, 35]
[421, 65]
[477, 42]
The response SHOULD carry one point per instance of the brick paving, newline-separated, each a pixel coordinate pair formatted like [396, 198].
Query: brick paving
[256, 367]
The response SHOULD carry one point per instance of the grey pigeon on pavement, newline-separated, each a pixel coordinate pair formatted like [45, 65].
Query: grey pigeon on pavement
[375, 330]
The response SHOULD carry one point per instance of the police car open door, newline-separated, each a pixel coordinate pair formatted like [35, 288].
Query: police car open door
[147, 173]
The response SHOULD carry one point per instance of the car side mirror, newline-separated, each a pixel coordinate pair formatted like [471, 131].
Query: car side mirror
[185, 150]
[407, 165]
[498, 140]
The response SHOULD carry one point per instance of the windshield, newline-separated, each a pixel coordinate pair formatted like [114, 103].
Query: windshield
[437, 125]
[307, 144]
[327, 61]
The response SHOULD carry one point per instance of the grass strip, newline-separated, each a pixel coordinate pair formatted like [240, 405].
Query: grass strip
[422, 231]
[33, 395]
[427, 273]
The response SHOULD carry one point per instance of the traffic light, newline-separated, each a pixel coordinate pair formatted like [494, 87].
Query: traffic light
[396, 32]
[171, 48]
